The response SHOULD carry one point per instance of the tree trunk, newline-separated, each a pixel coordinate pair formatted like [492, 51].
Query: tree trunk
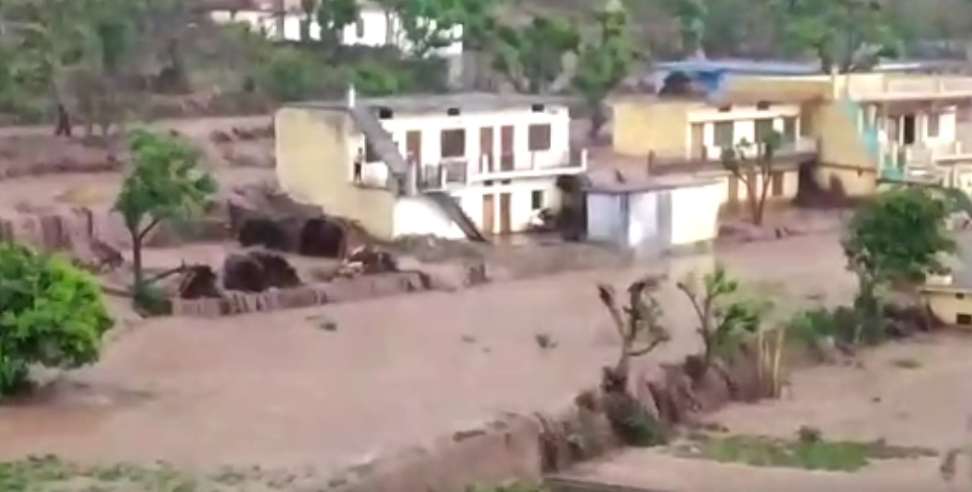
[598, 119]
[137, 261]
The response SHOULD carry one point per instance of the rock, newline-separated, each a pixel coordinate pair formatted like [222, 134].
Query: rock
[199, 282]
[322, 238]
[743, 378]
[257, 272]
[265, 233]
[711, 391]
[372, 260]
[243, 273]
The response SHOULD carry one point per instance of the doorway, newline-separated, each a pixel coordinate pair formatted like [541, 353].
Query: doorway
[489, 218]
[505, 223]
[908, 130]
[413, 146]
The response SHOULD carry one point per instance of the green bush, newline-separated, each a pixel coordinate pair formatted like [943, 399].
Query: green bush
[51, 314]
[290, 75]
[841, 324]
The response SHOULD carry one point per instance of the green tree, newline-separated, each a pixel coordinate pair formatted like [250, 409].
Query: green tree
[333, 16]
[691, 16]
[846, 35]
[604, 63]
[723, 317]
[289, 75]
[51, 314]
[755, 172]
[431, 24]
[532, 57]
[165, 183]
[896, 239]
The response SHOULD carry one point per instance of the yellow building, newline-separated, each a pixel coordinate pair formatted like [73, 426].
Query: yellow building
[691, 134]
[877, 127]
[861, 129]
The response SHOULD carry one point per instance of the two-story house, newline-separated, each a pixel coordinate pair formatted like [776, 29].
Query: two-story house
[686, 134]
[462, 165]
[879, 127]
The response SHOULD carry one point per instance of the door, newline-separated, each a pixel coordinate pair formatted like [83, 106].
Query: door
[698, 141]
[413, 146]
[489, 222]
[909, 132]
[506, 148]
[505, 223]
[486, 149]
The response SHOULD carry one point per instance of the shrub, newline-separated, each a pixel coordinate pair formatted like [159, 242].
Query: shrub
[844, 324]
[51, 314]
[290, 75]
[375, 79]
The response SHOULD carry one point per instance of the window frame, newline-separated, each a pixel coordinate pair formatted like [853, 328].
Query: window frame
[540, 137]
[732, 134]
[537, 200]
[447, 151]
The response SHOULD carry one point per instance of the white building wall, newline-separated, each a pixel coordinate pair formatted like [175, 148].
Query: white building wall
[695, 212]
[521, 202]
[643, 227]
[605, 222]
[374, 23]
[432, 125]
[419, 215]
[744, 122]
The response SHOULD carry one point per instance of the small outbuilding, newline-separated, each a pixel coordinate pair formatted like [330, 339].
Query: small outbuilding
[657, 216]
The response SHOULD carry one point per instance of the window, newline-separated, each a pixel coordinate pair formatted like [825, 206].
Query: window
[539, 137]
[934, 125]
[960, 296]
[764, 128]
[776, 184]
[359, 27]
[789, 130]
[963, 319]
[724, 134]
[536, 200]
[453, 143]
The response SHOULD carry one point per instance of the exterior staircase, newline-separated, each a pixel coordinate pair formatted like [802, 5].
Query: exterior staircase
[458, 216]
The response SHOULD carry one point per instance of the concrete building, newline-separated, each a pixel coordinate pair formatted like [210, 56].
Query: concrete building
[281, 20]
[463, 165]
[877, 127]
[654, 217]
[687, 135]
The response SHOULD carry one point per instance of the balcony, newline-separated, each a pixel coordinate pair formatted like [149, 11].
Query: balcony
[539, 164]
[448, 173]
[795, 150]
[878, 87]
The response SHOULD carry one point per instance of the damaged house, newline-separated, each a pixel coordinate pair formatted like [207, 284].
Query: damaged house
[455, 166]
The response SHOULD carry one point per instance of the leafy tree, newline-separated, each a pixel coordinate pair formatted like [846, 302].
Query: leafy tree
[604, 63]
[51, 314]
[723, 317]
[846, 35]
[429, 25]
[531, 57]
[639, 326]
[756, 173]
[691, 16]
[165, 183]
[898, 238]
[289, 75]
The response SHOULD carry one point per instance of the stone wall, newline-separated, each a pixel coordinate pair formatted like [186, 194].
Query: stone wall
[339, 290]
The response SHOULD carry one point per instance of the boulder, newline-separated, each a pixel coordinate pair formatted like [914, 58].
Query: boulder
[373, 261]
[265, 233]
[276, 270]
[322, 238]
[243, 273]
[198, 282]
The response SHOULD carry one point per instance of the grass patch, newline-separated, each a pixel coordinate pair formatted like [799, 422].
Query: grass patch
[808, 454]
[910, 364]
[50, 473]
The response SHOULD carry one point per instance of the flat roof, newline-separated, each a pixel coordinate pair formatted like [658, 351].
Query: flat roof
[437, 103]
[660, 183]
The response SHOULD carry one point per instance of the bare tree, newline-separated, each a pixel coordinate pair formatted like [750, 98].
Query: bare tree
[638, 324]
[755, 172]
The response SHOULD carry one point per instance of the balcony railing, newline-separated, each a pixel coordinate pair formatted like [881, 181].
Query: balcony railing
[490, 167]
[443, 175]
